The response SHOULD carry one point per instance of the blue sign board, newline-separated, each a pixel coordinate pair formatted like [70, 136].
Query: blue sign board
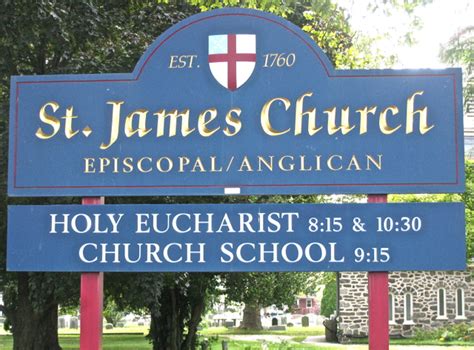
[236, 101]
[240, 237]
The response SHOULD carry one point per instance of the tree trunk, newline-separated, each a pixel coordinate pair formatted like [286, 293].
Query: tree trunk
[33, 329]
[251, 319]
[178, 311]
[164, 329]
[173, 331]
[47, 329]
[154, 331]
[193, 323]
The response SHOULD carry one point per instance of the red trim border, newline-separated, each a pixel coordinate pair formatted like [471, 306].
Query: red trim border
[321, 61]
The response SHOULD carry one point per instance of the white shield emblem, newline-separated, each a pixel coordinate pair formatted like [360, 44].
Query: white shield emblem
[232, 58]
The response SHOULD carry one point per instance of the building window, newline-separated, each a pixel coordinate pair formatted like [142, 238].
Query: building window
[442, 303]
[408, 309]
[309, 303]
[391, 309]
[460, 303]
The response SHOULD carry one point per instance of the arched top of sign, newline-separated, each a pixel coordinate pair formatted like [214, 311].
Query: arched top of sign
[236, 101]
[248, 22]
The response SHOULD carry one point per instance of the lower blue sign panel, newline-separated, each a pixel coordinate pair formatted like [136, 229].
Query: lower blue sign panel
[237, 237]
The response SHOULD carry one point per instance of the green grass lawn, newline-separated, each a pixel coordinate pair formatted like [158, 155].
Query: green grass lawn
[129, 329]
[69, 338]
[217, 335]
[290, 331]
[110, 342]
[137, 342]
[249, 345]
[408, 341]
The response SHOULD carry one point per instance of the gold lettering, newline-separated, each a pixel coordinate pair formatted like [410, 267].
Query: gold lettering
[299, 114]
[140, 165]
[89, 166]
[198, 165]
[174, 115]
[203, 121]
[127, 162]
[282, 165]
[116, 161]
[303, 163]
[103, 163]
[330, 162]
[233, 122]
[114, 128]
[48, 119]
[318, 163]
[423, 113]
[181, 61]
[183, 161]
[265, 116]
[354, 163]
[214, 168]
[159, 166]
[245, 164]
[173, 62]
[383, 124]
[364, 114]
[345, 126]
[377, 163]
[142, 130]
[268, 164]
[191, 59]
[68, 124]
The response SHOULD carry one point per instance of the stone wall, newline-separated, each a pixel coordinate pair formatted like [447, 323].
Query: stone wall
[423, 286]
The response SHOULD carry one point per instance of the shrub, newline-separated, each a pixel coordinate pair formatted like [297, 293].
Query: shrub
[111, 312]
[460, 332]
[328, 302]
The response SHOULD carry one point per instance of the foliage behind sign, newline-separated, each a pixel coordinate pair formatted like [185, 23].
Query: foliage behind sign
[236, 101]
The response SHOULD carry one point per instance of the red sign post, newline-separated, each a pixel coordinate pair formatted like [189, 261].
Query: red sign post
[92, 299]
[260, 138]
[378, 300]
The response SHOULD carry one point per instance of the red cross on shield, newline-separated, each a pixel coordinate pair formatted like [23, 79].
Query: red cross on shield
[232, 58]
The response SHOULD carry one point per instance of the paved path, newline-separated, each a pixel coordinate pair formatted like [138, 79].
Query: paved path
[260, 337]
[320, 340]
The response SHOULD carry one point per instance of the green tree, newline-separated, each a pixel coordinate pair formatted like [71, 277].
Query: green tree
[98, 36]
[112, 313]
[258, 290]
[329, 299]
[459, 50]
[175, 302]
[262, 289]
[177, 311]
[27, 34]
[183, 302]
[327, 24]
[323, 20]
[467, 198]
[50, 37]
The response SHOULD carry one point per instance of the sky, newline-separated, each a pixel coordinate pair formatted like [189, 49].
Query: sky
[440, 20]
